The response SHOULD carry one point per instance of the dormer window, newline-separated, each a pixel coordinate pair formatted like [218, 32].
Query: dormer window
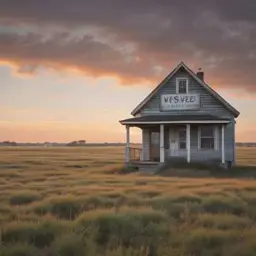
[181, 85]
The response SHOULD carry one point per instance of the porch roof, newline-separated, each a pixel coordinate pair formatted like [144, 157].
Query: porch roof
[175, 119]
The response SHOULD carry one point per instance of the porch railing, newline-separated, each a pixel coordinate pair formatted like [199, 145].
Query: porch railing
[135, 154]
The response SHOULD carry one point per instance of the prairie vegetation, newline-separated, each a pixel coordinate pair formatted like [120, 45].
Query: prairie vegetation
[77, 202]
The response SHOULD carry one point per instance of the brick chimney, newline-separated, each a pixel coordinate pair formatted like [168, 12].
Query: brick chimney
[200, 74]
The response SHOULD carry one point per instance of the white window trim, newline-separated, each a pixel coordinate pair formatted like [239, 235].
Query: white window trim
[215, 137]
[177, 84]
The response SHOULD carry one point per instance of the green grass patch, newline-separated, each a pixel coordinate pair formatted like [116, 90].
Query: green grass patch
[128, 228]
[221, 204]
[210, 242]
[60, 208]
[39, 234]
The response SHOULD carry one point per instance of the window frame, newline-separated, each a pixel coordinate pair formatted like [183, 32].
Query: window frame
[177, 84]
[215, 138]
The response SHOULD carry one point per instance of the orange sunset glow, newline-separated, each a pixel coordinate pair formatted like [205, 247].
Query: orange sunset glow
[73, 73]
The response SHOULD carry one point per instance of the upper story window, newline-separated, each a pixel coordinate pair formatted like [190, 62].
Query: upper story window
[181, 85]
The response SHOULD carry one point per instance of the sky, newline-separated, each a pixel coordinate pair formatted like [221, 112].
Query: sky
[70, 70]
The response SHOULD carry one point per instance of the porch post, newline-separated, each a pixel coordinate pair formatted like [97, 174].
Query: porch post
[188, 142]
[223, 144]
[161, 143]
[127, 153]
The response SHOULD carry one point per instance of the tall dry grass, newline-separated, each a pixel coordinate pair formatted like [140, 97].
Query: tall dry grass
[74, 201]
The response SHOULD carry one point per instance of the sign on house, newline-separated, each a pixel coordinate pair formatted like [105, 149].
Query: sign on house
[180, 101]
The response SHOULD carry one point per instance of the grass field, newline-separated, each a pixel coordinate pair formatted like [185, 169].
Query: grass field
[75, 202]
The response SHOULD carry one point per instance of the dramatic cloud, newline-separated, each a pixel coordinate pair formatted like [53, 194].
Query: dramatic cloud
[32, 51]
[133, 40]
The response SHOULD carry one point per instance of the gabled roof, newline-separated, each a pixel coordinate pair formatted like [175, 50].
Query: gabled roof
[201, 82]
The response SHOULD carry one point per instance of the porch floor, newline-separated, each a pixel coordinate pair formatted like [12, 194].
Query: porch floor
[144, 162]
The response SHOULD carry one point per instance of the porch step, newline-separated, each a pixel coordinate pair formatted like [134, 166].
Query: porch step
[146, 167]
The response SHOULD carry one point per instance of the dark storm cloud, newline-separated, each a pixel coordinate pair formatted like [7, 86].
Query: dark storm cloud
[59, 51]
[219, 36]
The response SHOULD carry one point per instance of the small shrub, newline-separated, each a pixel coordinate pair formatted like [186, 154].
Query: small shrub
[38, 234]
[215, 204]
[127, 228]
[24, 198]
[202, 241]
[70, 207]
[175, 208]
[66, 207]
[128, 169]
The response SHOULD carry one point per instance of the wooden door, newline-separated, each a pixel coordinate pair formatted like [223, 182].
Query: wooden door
[155, 146]
[174, 147]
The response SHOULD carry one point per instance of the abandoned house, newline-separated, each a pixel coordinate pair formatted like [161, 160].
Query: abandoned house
[183, 118]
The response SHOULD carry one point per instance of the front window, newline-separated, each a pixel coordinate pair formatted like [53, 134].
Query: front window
[182, 85]
[182, 138]
[206, 137]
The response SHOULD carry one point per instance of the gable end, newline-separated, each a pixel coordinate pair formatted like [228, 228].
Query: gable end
[183, 67]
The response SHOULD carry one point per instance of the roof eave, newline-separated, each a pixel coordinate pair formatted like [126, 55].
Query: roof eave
[137, 109]
[213, 92]
[237, 113]
[176, 122]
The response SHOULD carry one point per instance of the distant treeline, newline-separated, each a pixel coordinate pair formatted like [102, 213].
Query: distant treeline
[8, 143]
[79, 143]
[82, 143]
[74, 144]
[246, 144]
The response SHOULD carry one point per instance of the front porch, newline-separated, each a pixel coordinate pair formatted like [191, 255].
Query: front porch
[199, 139]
